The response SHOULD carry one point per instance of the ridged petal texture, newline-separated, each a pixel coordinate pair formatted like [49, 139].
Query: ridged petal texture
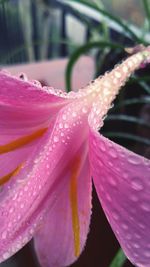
[26, 109]
[29, 191]
[122, 181]
[27, 112]
[62, 235]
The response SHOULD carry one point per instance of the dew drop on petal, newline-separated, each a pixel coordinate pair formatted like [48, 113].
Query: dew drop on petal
[134, 160]
[145, 206]
[113, 153]
[66, 125]
[117, 74]
[64, 117]
[60, 125]
[137, 184]
[56, 139]
[4, 235]
[84, 110]
[74, 114]
[102, 147]
[6, 255]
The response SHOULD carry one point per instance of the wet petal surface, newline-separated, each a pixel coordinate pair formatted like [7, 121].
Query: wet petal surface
[122, 181]
[62, 236]
[31, 191]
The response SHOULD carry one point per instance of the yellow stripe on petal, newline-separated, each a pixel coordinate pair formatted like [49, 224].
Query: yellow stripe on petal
[22, 141]
[7, 177]
[74, 205]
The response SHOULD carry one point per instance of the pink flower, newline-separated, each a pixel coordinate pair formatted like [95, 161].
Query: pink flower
[49, 150]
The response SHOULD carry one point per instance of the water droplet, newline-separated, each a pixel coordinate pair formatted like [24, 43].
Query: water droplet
[102, 147]
[124, 226]
[84, 110]
[11, 210]
[106, 83]
[133, 198]
[6, 255]
[115, 81]
[37, 83]
[137, 236]
[130, 64]
[145, 207]
[113, 153]
[115, 216]
[22, 206]
[137, 184]
[108, 197]
[141, 225]
[134, 160]
[47, 166]
[117, 74]
[74, 114]
[135, 245]
[147, 253]
[125, 69]
[64, 116]
[110, 163]
[60, 125]
[23, 76]
[112, 181]
[56, 139]
[66, 125]
[4, 235]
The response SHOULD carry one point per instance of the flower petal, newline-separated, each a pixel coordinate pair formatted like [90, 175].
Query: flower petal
[25, 105]
[26, 110]
[63, 234]
[69, 206]
[18, 205]
[122, 181]
[32, 189]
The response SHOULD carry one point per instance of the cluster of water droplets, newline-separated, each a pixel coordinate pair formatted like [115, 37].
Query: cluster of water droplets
[123, 188]
[107, 87]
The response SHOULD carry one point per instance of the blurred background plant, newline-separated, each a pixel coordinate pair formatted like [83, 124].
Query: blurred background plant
[35, 30]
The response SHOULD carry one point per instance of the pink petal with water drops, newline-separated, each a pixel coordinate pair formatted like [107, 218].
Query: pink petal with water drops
[122, 181]
[69, 205]
[26, 110]
[19, 202]
[33, 188]
[62, 237]
[26, 106]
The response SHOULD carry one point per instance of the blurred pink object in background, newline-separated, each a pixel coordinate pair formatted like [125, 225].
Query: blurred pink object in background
[52, 72]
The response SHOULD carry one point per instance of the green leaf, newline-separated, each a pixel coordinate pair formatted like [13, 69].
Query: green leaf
[127, 118]
[141, 82]
[127, 136]
[146, 4]
[124, 25]
[119, 259]
[144, 100]
[3, 1]
[82, 50]
[19, 50]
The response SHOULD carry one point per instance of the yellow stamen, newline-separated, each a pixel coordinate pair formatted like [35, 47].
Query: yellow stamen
[22, 141]
[74, 205]
[7, 177]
